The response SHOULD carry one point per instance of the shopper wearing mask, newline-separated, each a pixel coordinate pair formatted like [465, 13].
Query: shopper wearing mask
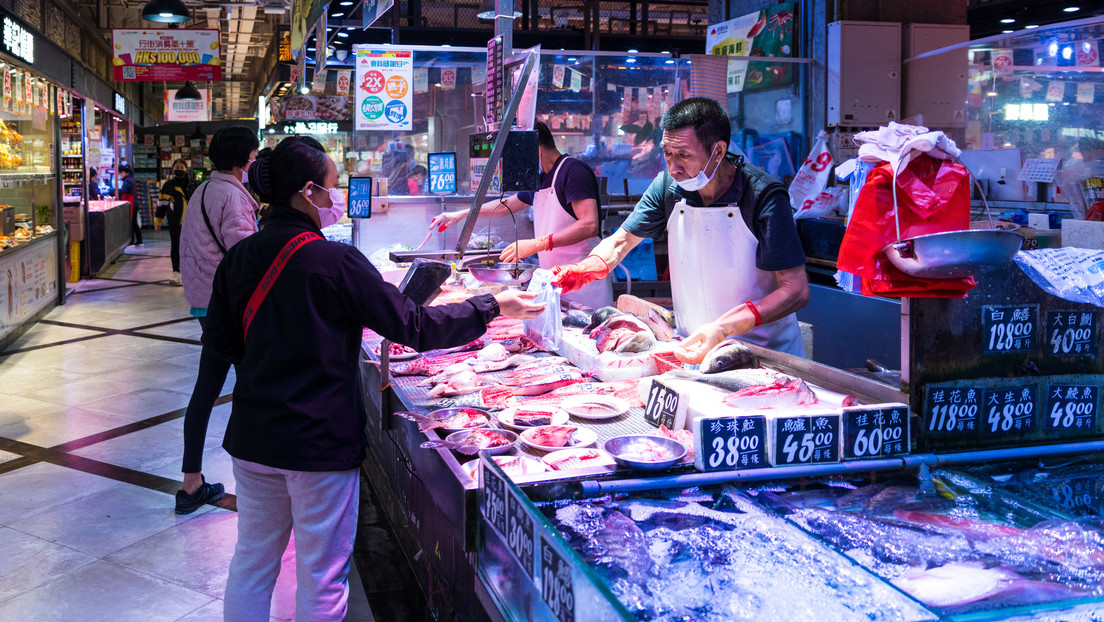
[737, 266]
[326, 215]
[297, 429]
[174, 196]
[93, 185]
[220, 213]
[127, 190]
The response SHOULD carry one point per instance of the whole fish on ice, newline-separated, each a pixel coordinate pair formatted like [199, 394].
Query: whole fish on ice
[623, 333]
[600, 316]
[621, 543]
[733, 380]
[461, 383]
[627, 390]
[958, 584]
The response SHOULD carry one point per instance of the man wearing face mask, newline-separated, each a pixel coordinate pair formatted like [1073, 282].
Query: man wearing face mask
[737, 266]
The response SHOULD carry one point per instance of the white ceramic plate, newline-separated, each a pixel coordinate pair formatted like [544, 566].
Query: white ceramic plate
[506, 417]
[577, 458]
[595, 406]
[581, 437]
[511, 465]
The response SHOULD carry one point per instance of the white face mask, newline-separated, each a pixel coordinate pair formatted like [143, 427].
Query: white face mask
[701, 180]
[330, 215]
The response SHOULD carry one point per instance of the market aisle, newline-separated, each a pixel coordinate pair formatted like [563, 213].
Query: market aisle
[90, 439]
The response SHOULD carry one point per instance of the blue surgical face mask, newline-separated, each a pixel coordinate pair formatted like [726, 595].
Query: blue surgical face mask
[701, 180]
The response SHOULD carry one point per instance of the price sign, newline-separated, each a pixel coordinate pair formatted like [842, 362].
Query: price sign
[809, 439]
[1078, 496]
[1071, 333]
[878, 431]
[665, 407]
[494, 498]
[952, 410]
[1008, 329]
[1010, 410]
[730, 443]
[520, 532]
[360, 197]
[442, 173]
[557, 589]
[1071, 407]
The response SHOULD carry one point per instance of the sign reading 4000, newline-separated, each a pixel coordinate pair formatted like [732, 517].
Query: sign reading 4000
[384, 97]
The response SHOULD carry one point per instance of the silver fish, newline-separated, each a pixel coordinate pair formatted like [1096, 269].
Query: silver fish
[726, 355]
[734, 380]
[662, 330]
[623, 543]
[600, 316]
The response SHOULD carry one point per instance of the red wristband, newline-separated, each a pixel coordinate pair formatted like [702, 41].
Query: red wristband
[755, 312]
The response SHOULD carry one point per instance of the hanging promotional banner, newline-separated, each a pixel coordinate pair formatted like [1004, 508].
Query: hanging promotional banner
[384, 97]
[1028, 87]
[1086, 91]
[318, 84]
[170, 55]
[479, 74]
[304, 15]
[1056, 90]
[374, 9]
[421, 79]
[344, 80]
[1002, 63]
[1087, 53]
[187, 110]
[448, 78]
[558, 76]
[576, 81]
[768, 32]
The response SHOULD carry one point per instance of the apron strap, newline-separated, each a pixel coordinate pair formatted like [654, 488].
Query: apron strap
[269, 279]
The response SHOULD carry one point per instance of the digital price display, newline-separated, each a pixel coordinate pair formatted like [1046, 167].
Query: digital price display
[1071, 333]
[952, 410]
[1008, 329]
[1010, 410]
[809, 439]
[360, 197]
[442, 173]
[665, 407]
[557, 585]
[1071, 407]
[730, 443]
[878, 431]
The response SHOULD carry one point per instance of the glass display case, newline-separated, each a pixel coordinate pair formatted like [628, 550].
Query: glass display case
[27, 179]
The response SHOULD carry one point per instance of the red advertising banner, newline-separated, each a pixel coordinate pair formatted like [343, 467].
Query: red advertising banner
[170, 55]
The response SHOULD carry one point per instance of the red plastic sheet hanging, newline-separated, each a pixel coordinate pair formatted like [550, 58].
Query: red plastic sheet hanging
[933, 196]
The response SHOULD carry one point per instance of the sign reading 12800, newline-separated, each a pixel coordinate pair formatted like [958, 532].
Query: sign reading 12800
[1007, 329]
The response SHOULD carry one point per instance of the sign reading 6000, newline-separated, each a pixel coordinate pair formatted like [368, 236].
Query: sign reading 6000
[384, 100]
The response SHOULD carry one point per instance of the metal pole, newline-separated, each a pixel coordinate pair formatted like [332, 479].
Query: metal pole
[504, 25]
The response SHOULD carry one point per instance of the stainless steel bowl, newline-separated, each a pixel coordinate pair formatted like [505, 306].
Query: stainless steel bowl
[624, 448]
[445, 413]
[502, 273]
[459, 437]
[954, 254]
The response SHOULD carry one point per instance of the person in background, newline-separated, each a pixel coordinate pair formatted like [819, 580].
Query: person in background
[93, 185]
[175, 194]
[416, 179]
[126, 191]
[297, 429]
[565, 218]
[737, 266]
[220, 213]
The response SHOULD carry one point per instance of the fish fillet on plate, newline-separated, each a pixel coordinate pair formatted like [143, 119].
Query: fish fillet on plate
[554, 437]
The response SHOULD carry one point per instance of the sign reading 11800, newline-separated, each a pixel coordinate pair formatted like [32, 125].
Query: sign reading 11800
[1008, 329]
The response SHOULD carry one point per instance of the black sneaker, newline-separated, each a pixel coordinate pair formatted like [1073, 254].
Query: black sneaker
[186, 504]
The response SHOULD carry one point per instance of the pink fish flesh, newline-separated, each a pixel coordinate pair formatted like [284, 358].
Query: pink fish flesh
[537, 362]
[956, 583]
[536, 374]
[429, 365]
[627, 390]
[495, 396]
[659, 326]
[486, 366]
[493, 352]
[621, 321]
[587, 455]
[686, 437]
[446, 374]
[549, 383]
[550, 435]
[464, 418]
[781, 394]
[464, 382]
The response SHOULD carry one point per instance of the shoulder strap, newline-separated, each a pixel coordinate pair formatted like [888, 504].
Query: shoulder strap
[207, 219]
[269, 279]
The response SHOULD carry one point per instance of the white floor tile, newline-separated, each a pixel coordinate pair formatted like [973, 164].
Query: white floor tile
[7, 456]
[140, 405]
[107, 521]
[41, 334]
[30, 562]
[67, 424]
[104, 591]
[145, 450]
[41, 486]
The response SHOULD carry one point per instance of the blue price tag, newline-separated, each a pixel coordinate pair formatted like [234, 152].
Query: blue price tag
[442, 173]
[360, 197]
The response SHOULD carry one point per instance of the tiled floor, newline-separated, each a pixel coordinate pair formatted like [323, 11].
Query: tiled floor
[91, 415]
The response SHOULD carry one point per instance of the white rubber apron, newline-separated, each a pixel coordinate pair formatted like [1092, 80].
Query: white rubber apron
[549, 217]
[712, 258]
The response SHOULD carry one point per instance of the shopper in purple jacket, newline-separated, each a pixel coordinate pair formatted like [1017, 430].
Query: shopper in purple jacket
[297, 429]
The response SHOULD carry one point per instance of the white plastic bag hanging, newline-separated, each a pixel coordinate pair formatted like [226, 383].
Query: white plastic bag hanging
[545, 329]
[830, 202]
[812, 177]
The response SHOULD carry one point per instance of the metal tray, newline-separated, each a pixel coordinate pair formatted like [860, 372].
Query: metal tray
[954, 254]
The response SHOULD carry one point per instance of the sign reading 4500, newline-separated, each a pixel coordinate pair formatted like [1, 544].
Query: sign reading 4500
[384, 99]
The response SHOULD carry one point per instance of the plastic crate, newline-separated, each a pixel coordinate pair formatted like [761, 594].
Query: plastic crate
[666, 361]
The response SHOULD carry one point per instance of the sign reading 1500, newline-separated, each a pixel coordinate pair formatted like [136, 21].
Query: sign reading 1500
[18, 40]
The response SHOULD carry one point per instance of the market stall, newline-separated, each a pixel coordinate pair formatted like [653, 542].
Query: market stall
[108, 232]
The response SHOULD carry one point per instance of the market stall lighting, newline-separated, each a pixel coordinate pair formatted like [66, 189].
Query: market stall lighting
[1071, 9]
[343, 34]
[188, 93]
[634, 52]
[166, 11]
[1008, 20]
[304, 90]
[1030, 26]
[346, 3]
[1007, 32]
[486, 10]
[335, 15]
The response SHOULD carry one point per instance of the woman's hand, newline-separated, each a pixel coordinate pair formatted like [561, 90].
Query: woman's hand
[515, 304]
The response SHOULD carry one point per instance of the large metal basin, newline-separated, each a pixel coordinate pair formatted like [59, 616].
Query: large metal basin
[502, 273]
[954, 254]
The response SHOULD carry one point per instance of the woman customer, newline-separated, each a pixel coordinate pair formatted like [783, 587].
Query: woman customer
[175, 194]
[220, 214]
[127, 190]
[93, 185]
[297, 430]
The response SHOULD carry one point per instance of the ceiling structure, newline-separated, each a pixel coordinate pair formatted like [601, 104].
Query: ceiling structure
[247, 33]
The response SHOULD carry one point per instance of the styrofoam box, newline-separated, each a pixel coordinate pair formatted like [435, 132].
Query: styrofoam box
[583, 353]
[1083, 234]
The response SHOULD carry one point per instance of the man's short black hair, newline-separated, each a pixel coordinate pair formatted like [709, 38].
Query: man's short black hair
[705, 115]
[544, 135]
[125, 168]
[231, 147]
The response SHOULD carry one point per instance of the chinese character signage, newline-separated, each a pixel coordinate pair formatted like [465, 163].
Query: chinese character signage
[384, 97]
[768, 32]
[171, 55]
[315, 108]
[187, 110]
[18, 41]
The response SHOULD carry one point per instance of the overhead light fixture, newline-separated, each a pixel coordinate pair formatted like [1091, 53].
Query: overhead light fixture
[188, 93]
[1007, 32]
[336, 15]
[1030, 26]
[633, 51]
[303, 90]
[346, 3]
[486, 11]
[1071, 9]
[343, 34]
[1008, 20]
[166, 11]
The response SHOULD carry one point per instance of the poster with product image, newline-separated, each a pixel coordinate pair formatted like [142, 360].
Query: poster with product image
[384, 95]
